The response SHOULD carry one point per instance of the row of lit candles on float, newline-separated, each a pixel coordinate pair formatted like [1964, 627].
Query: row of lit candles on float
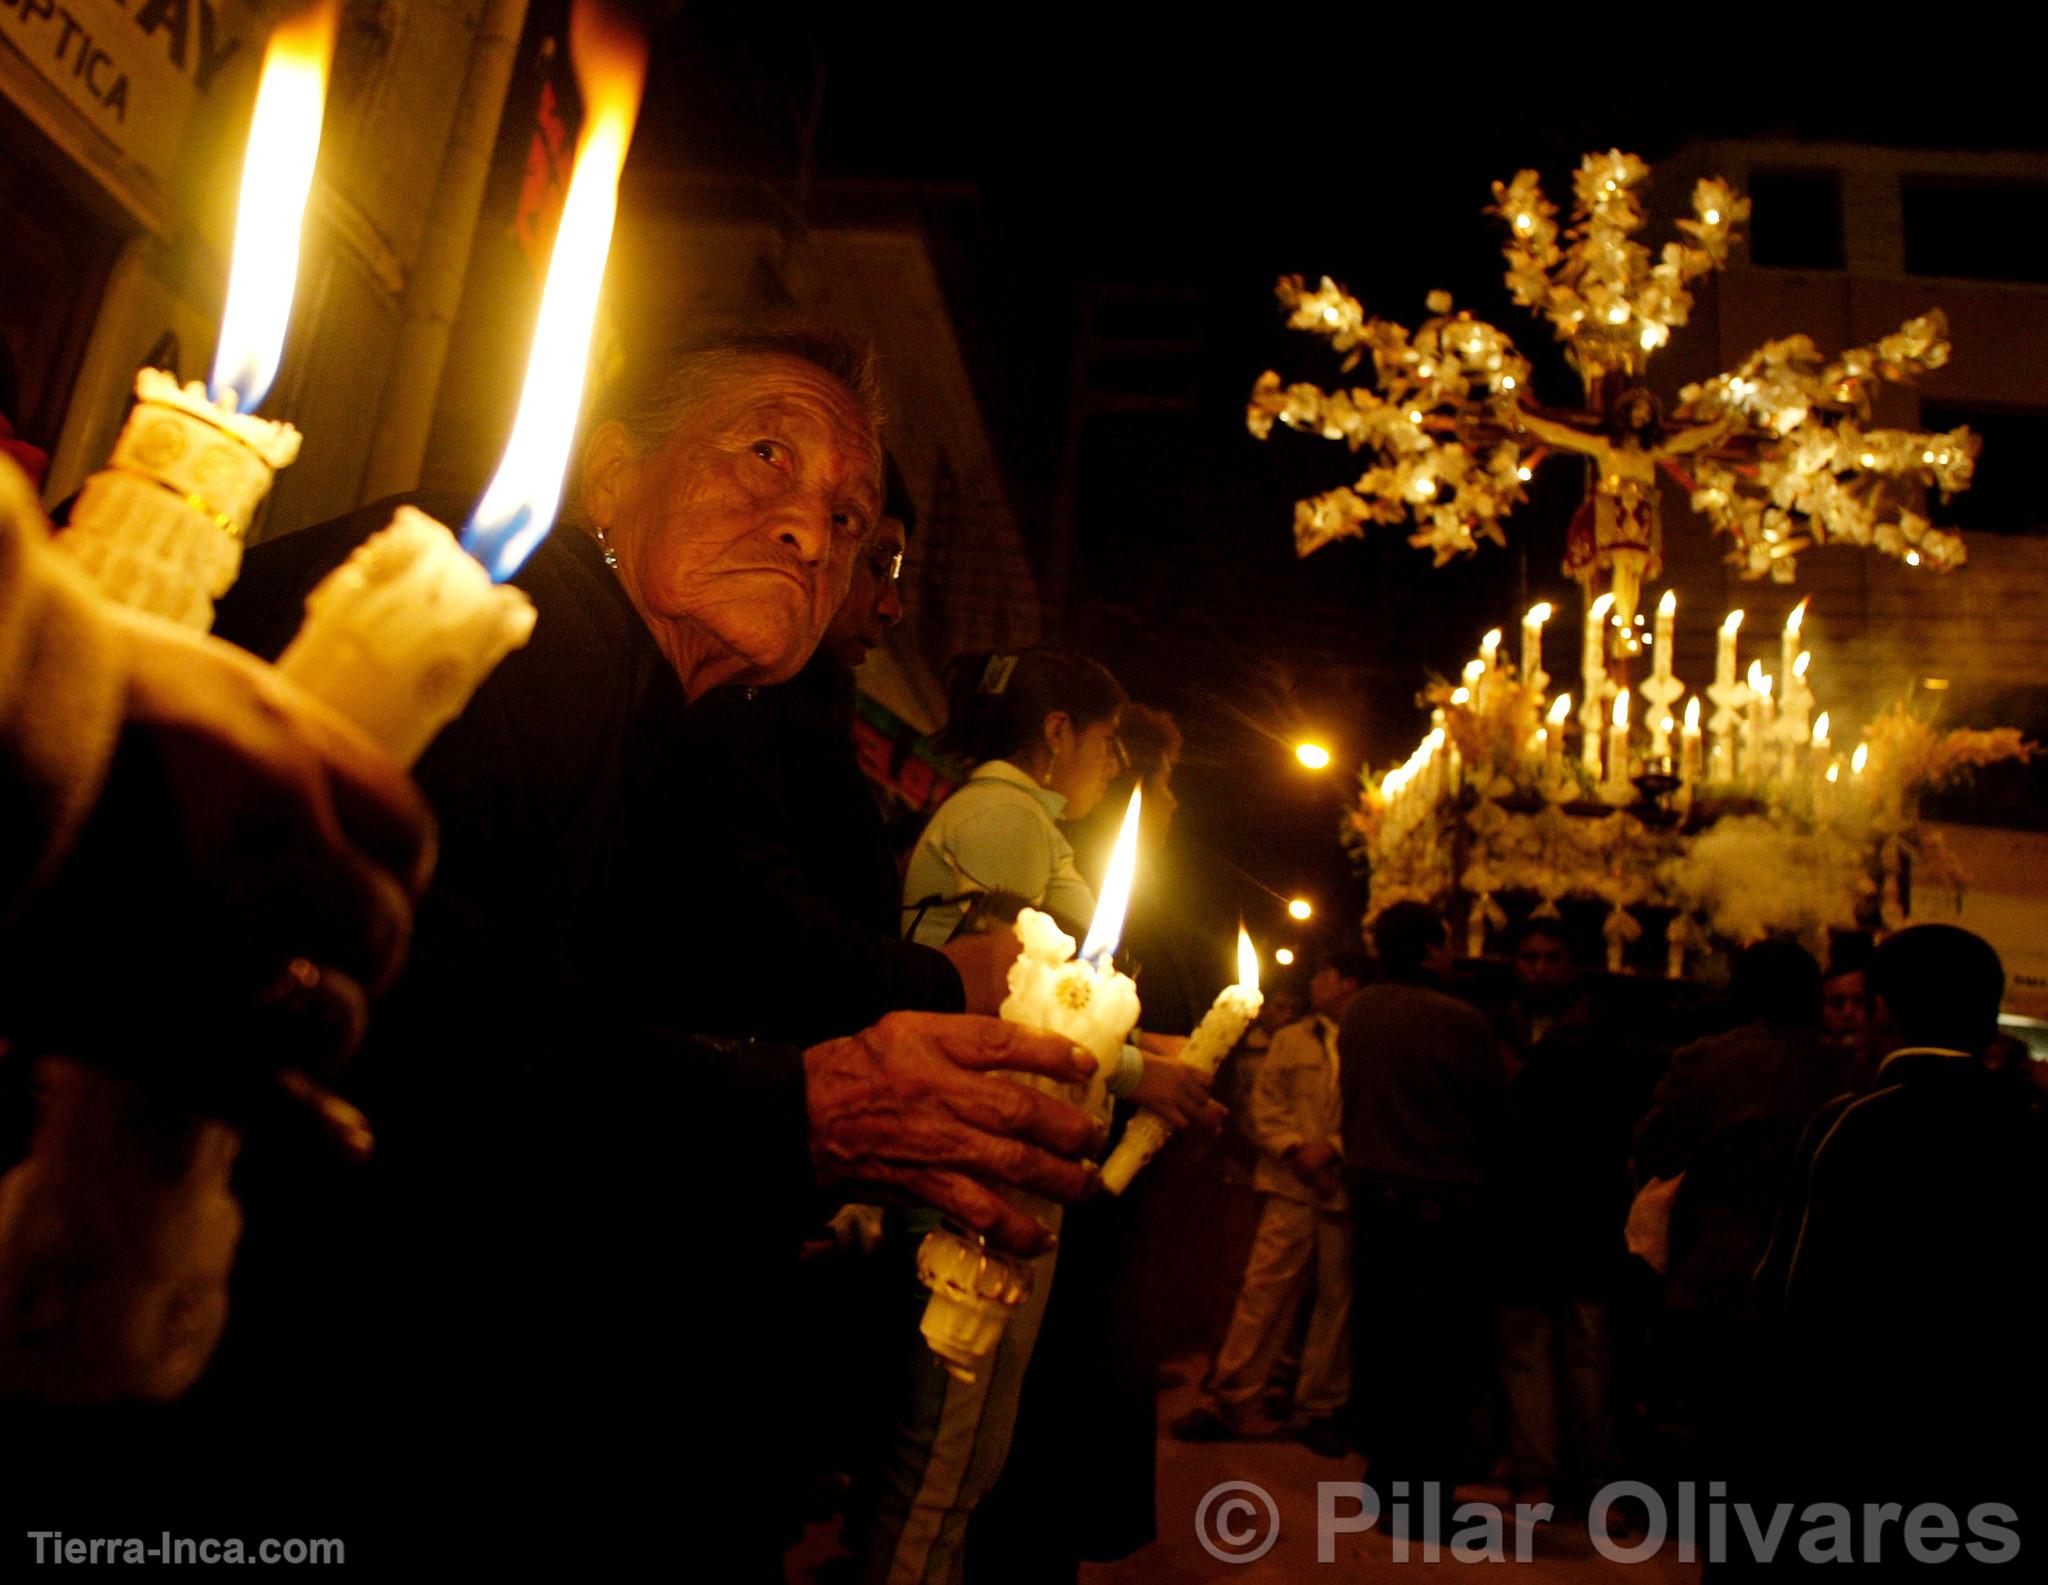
[1762, 733]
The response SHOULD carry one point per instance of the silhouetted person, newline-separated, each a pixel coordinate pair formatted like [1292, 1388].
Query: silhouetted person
[1911, 1304]
[1563, 1201]
[1423, 1101]
[1729, 1114]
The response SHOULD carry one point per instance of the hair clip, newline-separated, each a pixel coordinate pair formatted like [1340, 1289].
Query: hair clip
[995, 676]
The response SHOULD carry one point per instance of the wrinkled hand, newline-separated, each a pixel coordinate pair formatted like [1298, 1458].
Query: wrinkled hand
[243, 826]
[1178, 1094]
[983, 961]
[916, 1105]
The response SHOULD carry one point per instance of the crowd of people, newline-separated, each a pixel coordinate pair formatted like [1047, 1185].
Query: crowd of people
[1783, 1256]
[670, 1066]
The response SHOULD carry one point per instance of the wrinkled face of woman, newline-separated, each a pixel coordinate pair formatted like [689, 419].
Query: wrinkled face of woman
[735, 538]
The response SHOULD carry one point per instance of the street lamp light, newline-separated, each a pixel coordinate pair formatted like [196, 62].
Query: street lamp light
[1313, 755]
[1284, 957]
[1299, 908]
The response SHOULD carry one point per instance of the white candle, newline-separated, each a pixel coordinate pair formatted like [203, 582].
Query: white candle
[1756, 760]
[1593, 670]
[1724, 653]
[1553, 746]
[1788, 640]
[1617, 743]
[1661, 689]
[1533, 675]
[1689, 743]
[975, 1289]
[399, 636]
[1214, 1038]
[1730, 697]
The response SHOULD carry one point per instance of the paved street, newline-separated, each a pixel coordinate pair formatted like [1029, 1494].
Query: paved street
[1288, 1474]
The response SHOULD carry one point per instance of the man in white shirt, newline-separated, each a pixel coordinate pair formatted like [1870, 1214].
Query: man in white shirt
[1304, 1226]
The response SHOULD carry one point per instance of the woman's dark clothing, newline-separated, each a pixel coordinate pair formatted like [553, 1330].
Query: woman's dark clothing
[802, 868]
[570, 1244]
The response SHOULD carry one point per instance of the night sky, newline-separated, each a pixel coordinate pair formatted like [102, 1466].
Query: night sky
[1196, 162]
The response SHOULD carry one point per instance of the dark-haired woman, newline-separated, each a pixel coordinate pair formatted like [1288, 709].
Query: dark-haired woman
[1042, 728]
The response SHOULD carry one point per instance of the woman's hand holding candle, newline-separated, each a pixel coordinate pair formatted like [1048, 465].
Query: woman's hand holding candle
[918, 1107]
[241, 824]
[1178, 1094]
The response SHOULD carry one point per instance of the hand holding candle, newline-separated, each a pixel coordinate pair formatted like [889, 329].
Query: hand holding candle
[1214, 1038]
[975, 1290]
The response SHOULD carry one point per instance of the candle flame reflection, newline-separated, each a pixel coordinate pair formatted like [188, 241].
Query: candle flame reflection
[1108, 925]
[277, 174]
[519, 508]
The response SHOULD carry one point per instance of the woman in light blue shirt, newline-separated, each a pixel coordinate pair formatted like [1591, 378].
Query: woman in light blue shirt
[1041, 729]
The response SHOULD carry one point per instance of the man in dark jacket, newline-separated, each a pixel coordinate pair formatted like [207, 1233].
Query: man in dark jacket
[1572, 1103]
[1911, 1370]
[1423, 1099]
[1728, 1114]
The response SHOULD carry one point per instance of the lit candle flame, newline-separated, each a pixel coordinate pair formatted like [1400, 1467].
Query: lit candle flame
[519, 508]
[1668, 606]
[1621, 709]
[1834, 773]
[1461, 696]
[1600, 607]
[1859, 759]
[1474, 670]
[1247, 961]
[1799, 666]
[277, 174]
[1489, 646]
[1692, 714]
[1798, 617]
[1820, 727]
[1731, 624]
[1107, 927]
[1560, 709]
[1539, 613]
[1759, 680]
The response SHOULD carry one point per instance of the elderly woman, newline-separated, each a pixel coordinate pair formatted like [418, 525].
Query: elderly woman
[582, 1215]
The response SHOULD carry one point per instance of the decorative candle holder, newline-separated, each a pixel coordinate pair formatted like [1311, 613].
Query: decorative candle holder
[400, 635]
[976, 1289]
[160, 528]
